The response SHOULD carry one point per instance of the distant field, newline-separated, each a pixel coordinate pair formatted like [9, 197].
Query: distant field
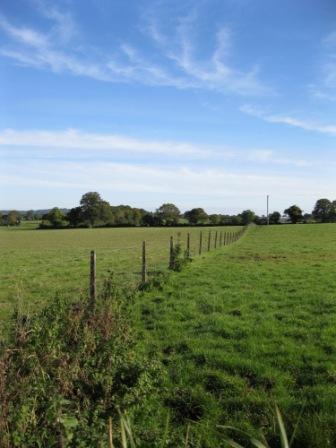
[246, 327]
[37, 264]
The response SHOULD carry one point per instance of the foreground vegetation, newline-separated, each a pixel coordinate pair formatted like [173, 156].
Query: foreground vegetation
[68, 370]
[238, 330]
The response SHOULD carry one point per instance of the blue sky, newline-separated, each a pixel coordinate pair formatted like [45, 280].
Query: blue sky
[211, 103]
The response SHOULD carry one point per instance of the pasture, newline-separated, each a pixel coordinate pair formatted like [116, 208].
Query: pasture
[248, 326]
[35, 265]
[238, 330]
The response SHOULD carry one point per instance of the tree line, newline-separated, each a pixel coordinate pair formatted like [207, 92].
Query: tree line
[93, 211]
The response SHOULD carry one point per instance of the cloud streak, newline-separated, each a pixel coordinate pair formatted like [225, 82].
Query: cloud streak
[75, 139]
[50, 144]
[306, 125]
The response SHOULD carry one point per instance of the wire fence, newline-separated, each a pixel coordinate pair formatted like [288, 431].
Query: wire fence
[37, 266]
[149, 263]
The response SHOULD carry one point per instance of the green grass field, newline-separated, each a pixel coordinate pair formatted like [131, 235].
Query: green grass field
[248, 326]
[37, 264]
[238, 330]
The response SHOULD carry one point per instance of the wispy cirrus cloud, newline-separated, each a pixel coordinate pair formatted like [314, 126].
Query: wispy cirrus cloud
[171, 62]
[324, 89]
[328, 129]
[330, 66]
[214, 72]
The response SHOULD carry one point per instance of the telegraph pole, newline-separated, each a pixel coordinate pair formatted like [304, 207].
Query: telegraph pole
[267, 209]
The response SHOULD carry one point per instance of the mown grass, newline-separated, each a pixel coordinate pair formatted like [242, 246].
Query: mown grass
[243, 328]
[35, 265]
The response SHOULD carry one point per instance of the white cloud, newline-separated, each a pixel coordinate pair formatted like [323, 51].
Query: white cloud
[24, 35]
[75, 139]
[307, 125]
[53, 142]
[172, 63]
[321, 92]
[271, 157]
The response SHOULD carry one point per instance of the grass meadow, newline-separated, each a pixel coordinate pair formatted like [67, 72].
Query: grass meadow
[238, 330]
[246, 327]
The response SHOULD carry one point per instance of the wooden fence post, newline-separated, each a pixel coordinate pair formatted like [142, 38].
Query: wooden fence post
[216, 236]
[171, 253]
[200, 243]
[93, 277]
[188, 246]
[209, 240]
[144, 263]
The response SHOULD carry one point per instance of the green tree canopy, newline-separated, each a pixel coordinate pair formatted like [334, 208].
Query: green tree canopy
[196, 216]
[94, 209]
[55, 217]
[274, 218]
[323, 210]
[13, 218]
[333, 212]
[75, 216]
[295, 213]
[247, 217]
[168, 214]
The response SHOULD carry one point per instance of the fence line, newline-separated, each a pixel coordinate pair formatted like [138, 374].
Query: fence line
[225, 239]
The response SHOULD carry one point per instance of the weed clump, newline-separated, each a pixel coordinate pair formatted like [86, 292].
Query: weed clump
[66, 371]
[179, 258]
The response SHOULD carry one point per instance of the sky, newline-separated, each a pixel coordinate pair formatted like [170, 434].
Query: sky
[203, 103]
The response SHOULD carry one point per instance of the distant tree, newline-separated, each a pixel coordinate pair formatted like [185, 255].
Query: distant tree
[247, 217]
[322, 210]
[29, 215]
[235, 220]
[137, 215]
[13, 218]
[55, 218]
[95, 211]
[168, 214]
[308, 218]
[75, 216]
[149, 219]
[1, 219]
[295, 214]
[260, 220]
[105, 213]
[333, 212]
[215, 219]
[274, 218]
[90, 204]
[196, 216]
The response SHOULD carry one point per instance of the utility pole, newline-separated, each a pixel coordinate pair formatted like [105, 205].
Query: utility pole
[267, 209]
